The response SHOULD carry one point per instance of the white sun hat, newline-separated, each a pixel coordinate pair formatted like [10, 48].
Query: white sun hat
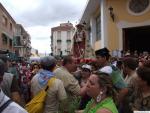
[86, 66]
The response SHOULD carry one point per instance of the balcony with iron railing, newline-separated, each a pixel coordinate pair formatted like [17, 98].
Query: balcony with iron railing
[68, 40]
[18, 42]
[67, 51]
[58, 47]
[59, 40]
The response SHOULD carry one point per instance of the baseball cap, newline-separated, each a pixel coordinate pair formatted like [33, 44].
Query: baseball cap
[102, 52]
[47, 61]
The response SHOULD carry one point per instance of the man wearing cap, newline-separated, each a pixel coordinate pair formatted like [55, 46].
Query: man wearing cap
[102, 56]
[56, 92]
[7, 105]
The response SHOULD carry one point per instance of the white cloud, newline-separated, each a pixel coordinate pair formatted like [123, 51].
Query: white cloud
[22, 5]
[43, 45]
[39, 31]
[40, 38]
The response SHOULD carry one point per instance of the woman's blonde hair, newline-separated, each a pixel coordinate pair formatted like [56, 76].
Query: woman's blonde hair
[105, 82]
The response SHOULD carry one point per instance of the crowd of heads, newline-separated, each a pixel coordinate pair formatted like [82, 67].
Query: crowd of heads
[98, 81]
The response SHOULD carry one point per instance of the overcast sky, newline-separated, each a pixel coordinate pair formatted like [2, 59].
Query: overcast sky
[38, 16]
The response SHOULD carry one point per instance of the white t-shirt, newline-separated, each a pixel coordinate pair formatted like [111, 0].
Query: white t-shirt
[106, 69]
[12, 107]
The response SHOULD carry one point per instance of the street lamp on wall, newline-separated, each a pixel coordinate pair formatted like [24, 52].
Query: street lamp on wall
[112, 15]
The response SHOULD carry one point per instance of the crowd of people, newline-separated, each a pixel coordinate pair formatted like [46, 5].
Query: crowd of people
[103, 85]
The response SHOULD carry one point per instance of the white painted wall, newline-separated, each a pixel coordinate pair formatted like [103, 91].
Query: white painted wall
[103, 25]
[93, 31]
[63, 45]
[92, 21]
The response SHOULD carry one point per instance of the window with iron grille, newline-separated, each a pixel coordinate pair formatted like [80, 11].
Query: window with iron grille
[10, 26]
[4, 39]
[4, 21]
[10, 42]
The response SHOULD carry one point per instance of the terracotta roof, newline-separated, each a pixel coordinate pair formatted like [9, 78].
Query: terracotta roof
[62, 28]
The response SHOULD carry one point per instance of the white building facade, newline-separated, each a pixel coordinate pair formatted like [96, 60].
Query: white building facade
[62, 39]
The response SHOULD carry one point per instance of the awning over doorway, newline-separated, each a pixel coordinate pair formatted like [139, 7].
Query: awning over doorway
[4, 51]
[5, 35]
[5, 38]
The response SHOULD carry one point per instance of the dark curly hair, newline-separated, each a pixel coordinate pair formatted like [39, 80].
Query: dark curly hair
[144, 74]
[130, 62]
[147, 63]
